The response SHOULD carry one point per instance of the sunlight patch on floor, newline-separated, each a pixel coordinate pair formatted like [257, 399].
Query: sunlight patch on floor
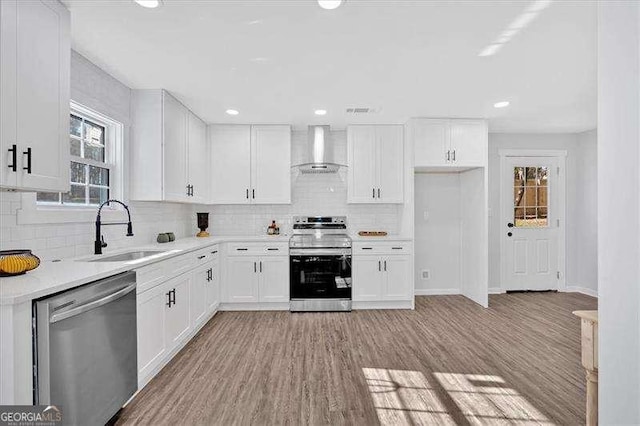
[486, 398]
[405, 397]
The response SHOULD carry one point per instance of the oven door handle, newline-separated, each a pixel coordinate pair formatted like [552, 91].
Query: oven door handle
[320, 252]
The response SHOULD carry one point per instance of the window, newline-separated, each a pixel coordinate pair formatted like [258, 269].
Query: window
[530, 197]
[93, 161]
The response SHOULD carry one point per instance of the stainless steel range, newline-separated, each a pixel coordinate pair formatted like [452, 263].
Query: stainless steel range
[320, 264]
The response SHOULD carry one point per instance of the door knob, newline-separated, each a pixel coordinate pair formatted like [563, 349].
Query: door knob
[510, 225]
[509, 234]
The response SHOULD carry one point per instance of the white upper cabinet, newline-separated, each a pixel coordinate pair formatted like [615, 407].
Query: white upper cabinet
[35, 54]
[376, 163]
[444, 143]
[169, 151]
[250, 164]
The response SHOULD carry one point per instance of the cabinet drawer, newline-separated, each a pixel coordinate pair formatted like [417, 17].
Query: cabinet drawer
[150, 276]
[258, 249]
[181, 264]
[382, 247]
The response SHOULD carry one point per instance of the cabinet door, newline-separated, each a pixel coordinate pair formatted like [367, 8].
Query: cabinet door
[274, 279]
[198, 299]
[42, 102]
[367, 278]
[230, 148]
[390, 164]
[177, 324]
[8, 138]
[361, 182]
[271, 164]
[175, 151]
[398, 284]
[198, 164]
[242, 279]
[469, 142]
[151, 323]
[213, 288]
[431, 142]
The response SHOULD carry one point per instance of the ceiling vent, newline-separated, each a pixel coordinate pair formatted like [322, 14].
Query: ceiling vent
[362, 110]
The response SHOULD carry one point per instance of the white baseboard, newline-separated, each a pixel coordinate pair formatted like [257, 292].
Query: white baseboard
[496, 290]
[583, 290]
[436, 291]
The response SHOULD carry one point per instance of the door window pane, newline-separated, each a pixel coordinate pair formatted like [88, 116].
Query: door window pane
[530, 197]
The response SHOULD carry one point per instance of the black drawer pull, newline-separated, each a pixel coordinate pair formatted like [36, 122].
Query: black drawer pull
[214, 252]
[202, 257]
[273, 249]
[242, 249]
[396, 248]
[367, 248]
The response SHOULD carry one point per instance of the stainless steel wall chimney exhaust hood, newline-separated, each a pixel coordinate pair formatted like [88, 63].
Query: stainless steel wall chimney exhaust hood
[320, 153]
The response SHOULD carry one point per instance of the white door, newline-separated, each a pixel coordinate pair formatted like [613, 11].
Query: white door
[368, 278]
[274, 279]
[197, 296]
[242, 279]
[271, 164]
[361, 185]
[390, 151]
[468, 142]
[213, 287]
[198, 160]
[42, 101]
[230, 148]
[150, 322]
[177, 320]
[431, 142]
[398, 282]
[532, 220]
[175, 149]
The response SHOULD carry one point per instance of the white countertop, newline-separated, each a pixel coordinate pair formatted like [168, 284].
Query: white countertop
[51, 277]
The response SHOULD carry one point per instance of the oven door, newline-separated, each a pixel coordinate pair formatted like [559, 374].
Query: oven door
[320, 276]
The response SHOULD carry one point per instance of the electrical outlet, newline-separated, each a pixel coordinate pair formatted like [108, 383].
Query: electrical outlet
[426, 274]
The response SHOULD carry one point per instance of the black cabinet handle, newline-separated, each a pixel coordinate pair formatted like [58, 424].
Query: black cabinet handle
[378, 192]
[367, 248]
[209, 274]
[191, 190]
[168, 298]
[28, 154]
[273, 249]
[261, 266]
[255, 267]
[247, 193]
[385, 266]
[242, 249]
[214, 252]
[173, 292]
[379, 266]
[396, 248]
[253, 194]
[14, 158]
[373, 194]
[188, 191]
[202, 257]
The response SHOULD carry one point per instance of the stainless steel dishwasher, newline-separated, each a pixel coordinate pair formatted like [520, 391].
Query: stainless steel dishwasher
[86, 349]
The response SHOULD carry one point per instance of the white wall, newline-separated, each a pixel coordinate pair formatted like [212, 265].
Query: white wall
[312, 194]
[619, 211]
[92, 87]
[580, 209]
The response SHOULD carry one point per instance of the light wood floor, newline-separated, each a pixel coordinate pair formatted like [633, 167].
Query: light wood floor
[449, 361]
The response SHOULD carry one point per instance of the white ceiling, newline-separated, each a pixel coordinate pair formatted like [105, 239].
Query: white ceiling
[276, 61]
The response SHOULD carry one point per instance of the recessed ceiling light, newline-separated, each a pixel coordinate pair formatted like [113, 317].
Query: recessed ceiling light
[320, 112]
[501, 104]
[330, 4]
[149, 4]
[233, 112]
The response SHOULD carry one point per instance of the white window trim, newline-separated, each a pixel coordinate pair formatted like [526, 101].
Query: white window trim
[32, 213]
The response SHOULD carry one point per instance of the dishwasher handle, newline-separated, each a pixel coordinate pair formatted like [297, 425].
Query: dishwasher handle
[92, 305]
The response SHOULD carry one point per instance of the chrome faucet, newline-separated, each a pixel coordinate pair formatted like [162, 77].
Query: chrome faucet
[99, 244]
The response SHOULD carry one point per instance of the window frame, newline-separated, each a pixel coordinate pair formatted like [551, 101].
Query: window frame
[34, 212]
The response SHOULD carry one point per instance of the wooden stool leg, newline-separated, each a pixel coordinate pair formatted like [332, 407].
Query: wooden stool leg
[592, 397]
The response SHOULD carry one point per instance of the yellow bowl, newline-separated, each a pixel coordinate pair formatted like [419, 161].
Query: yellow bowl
[17, 262]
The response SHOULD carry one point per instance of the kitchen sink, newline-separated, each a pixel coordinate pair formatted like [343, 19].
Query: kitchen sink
[130, 255]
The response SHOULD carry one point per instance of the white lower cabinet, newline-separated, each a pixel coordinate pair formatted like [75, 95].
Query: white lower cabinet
[256, 274]
[171, 310]
[382, 278]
